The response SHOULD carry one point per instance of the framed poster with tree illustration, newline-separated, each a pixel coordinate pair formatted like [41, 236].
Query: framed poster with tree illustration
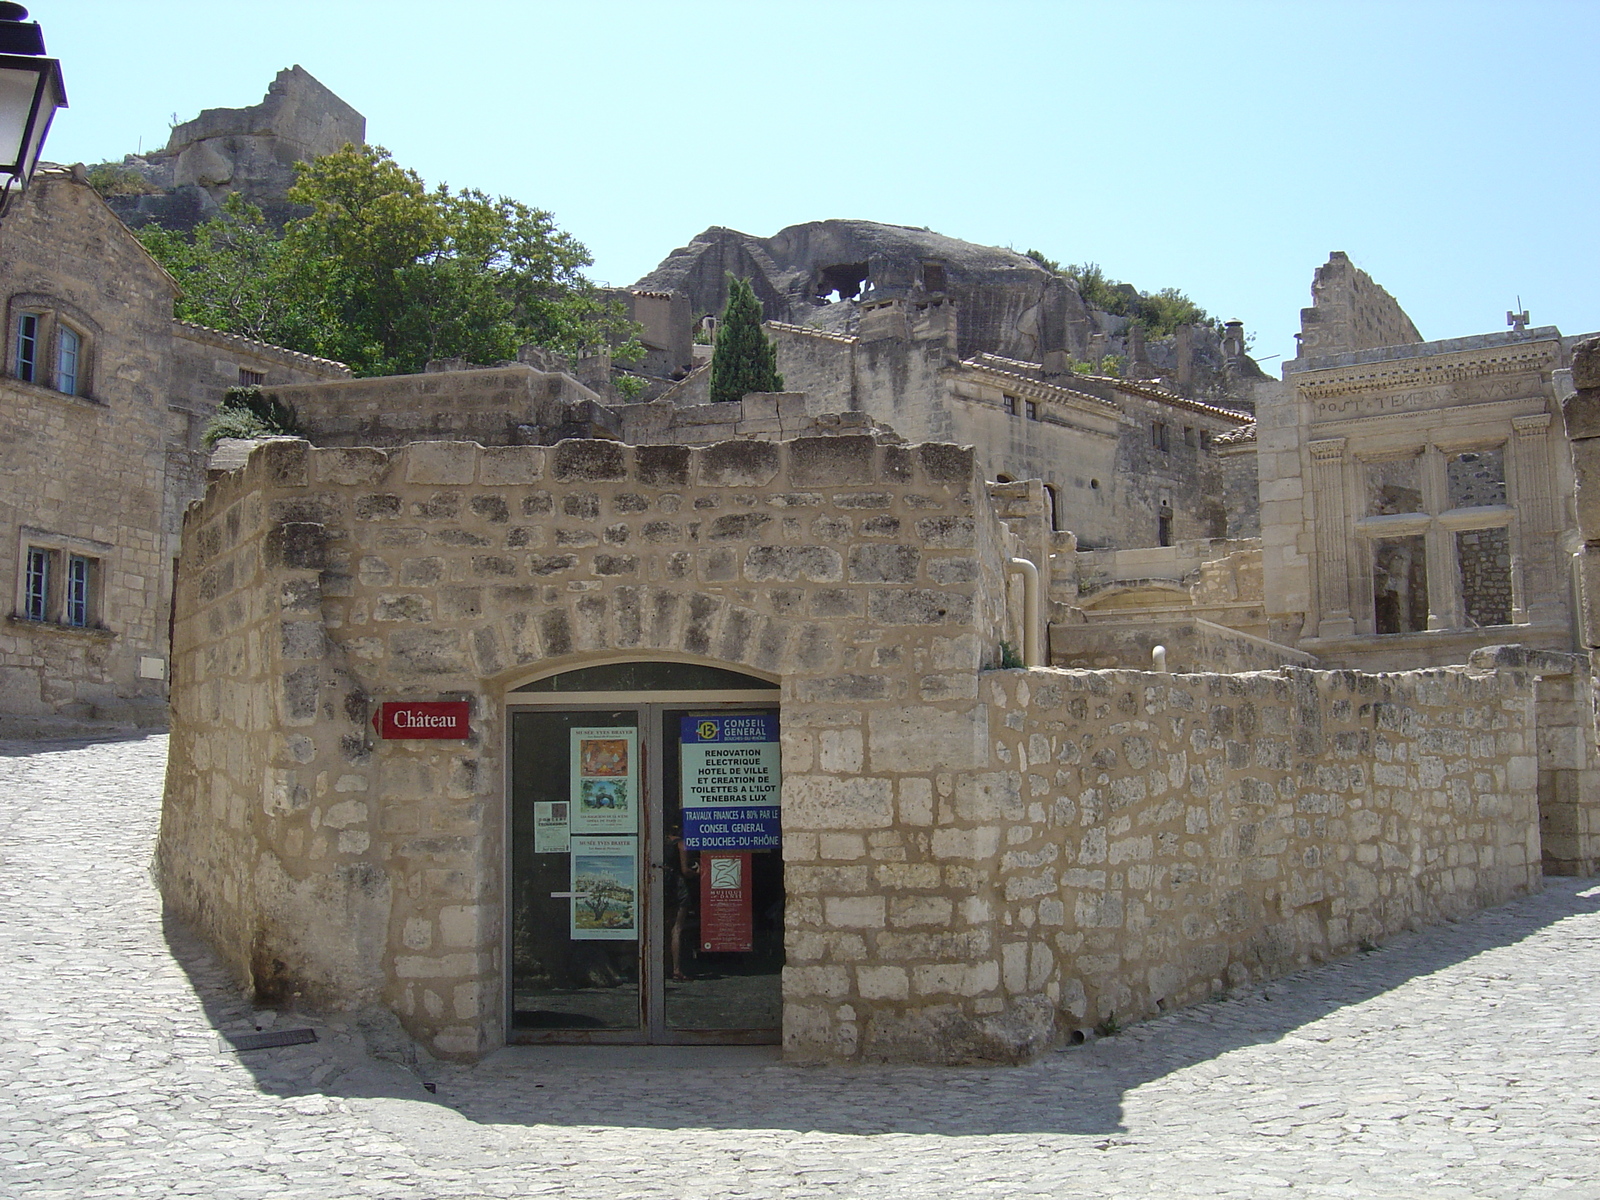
[605, 780]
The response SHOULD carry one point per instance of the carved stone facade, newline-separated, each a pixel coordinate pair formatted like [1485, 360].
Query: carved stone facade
[1430, 525]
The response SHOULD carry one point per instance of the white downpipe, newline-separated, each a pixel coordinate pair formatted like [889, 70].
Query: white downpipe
[1031, 656]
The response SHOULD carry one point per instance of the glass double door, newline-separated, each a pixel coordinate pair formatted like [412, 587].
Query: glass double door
[646, 884]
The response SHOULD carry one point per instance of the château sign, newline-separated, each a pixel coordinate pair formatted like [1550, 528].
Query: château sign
[422, 719]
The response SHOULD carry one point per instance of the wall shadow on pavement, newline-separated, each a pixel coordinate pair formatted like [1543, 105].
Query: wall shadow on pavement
[1070, 1092]
[1078, 1091]
[27, 747]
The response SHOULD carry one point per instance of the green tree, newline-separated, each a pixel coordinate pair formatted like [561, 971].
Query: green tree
[236, 276]
[744, 360]
[385, 273]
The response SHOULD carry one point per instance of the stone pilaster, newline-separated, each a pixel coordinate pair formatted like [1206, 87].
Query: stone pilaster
[1533, 536]
[1333, 538]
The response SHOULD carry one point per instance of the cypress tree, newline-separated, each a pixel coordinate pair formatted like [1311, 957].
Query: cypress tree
[744, 360]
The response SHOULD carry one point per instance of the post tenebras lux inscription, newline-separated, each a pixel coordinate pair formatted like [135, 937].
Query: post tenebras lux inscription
[1334, 403]
[422, 719]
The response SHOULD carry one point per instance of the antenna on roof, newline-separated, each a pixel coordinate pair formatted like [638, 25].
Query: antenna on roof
[1518, 320]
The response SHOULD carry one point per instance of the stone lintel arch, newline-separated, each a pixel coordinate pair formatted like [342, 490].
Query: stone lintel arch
[508, 685]
[649, 623]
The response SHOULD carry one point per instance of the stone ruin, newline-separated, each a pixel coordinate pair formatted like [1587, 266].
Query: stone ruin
[251, 151]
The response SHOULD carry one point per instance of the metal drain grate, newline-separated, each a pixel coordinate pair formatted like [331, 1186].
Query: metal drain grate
[277, 1037]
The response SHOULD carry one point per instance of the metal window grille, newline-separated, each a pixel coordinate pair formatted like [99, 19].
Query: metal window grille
[79, 571]
[27, 347]
[249, 378]
[68, 346]
[36, 602]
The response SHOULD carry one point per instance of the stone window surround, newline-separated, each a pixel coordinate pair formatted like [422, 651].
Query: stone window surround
[54, 315]
[1438, 526]
[62, 549]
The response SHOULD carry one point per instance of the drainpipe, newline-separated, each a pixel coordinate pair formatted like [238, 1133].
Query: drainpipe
[1031, 656]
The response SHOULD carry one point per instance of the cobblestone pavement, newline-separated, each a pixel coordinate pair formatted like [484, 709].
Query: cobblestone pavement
[1458, 1062]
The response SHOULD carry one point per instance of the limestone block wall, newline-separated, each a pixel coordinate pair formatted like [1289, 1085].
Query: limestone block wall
[1192, 644]
[332, 869]
[1350, 312]
[1211, 830]
[1127, 842]
[1575, 809]
[484, 406]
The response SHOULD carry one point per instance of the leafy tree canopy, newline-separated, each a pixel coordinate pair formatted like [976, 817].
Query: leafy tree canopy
[385, 273]
[744, 360]
[1159, 312]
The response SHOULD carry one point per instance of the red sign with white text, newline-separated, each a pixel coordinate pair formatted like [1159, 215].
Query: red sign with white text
[726, 902]
[422, 719]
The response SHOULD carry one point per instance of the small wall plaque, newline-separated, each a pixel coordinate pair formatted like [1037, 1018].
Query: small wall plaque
[422, 719]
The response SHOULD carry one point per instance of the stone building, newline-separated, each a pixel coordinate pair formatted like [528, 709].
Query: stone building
[105, 397]
[952, 861]
[1130, 460]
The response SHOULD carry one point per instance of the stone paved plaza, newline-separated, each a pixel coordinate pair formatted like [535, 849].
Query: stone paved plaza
[1458, 1062]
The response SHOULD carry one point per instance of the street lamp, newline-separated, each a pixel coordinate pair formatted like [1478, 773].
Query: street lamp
[30, 92]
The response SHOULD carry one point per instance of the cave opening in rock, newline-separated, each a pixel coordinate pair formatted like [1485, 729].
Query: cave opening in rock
[845, 279]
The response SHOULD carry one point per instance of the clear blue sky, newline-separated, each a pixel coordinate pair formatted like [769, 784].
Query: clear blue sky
[1223, 148]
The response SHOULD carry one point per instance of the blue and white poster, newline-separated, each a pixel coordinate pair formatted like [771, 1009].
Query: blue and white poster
[731, 782]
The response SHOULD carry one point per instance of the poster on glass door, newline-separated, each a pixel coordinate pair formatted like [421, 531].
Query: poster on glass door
[605, 889]
[605, 781]
[730, 781]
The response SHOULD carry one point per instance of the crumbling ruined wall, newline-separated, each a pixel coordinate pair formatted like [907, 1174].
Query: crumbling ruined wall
[1350, 312]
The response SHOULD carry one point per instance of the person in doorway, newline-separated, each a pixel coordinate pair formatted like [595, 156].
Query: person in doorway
[683, 887]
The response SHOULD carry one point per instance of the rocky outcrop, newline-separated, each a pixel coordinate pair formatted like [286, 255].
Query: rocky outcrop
[822, 272]
[250, 150]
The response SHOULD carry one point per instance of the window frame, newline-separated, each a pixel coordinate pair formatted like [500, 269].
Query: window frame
[60, 580]
[66, 382]
[1437, 524]
[40, 329]
[25, 362]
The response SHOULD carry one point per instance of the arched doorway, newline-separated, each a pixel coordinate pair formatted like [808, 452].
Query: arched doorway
[644, 875]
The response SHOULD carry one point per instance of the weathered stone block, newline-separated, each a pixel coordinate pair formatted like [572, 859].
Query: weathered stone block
[827, 803]
[918, 606]
[738, 464]
[884, 564]
[942, 463]
[854, 912]
[510, 466]
[587, 460]
[296, 545]
[360, 466]
[920, 739]
[433, 463]
[824, 460]
[284, 461]
[789, 564]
